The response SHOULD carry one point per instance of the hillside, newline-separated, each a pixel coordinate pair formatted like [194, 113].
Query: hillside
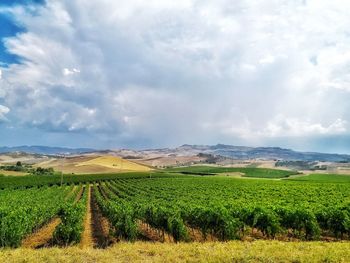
[44, 150]
[186, 150]
[114, 162]
[267, 153]
[93, 164]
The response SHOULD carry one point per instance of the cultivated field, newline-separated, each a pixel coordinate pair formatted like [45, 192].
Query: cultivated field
[182, 214]
[91, 164]
[12, 173]
[244, 171]
[115, 163]
[325, 178]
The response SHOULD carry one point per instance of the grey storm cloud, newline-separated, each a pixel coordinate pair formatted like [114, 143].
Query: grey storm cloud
[181, 71]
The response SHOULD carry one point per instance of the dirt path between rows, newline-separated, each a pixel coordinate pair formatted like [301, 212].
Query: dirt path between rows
[101, 225]
[86, 239]
[152, 234]
[43, 236]
[197, 236]
[96, 226]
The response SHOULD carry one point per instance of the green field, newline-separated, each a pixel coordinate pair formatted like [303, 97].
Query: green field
[324, 178]
[246, 172]
[42, 180]
[51, 180]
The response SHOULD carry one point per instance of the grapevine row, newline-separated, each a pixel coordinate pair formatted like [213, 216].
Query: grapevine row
[174, 212]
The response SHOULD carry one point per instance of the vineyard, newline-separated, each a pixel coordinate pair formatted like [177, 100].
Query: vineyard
[29, 181]
[245, 171]
[227, 209]
[169, 207]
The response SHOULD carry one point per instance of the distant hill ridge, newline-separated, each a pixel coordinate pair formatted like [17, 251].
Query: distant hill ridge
[45, 150]
[236, 152]
[269, 153]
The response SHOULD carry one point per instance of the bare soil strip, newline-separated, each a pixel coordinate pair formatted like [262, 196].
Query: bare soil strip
[152, 234]
[86, 239]
[43, 236]
[196, 235]
[101, 226]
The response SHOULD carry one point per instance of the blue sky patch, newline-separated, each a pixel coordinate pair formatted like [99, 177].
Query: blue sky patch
[9, 28]
[20, 2]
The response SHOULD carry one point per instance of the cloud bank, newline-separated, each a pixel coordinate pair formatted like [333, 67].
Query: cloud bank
[157, 73]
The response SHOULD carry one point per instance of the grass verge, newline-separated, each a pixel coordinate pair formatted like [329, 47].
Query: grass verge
[235, 251]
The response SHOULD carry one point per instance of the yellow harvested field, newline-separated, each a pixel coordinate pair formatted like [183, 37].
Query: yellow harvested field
[116, 163]
[93, 164]
[12, 173]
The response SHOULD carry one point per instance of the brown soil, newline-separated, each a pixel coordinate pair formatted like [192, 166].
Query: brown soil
[86, 239]
[255, 234]
[43, 236]
[196, 235]
[152, 234]
[163, 161]
[101, 226]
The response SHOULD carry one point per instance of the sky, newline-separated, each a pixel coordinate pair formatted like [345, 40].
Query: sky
[161, 73]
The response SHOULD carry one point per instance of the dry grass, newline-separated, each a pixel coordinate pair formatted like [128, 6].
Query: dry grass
[93, 164]
[115, 163]
[12, 173]
[87, 240]
[236, 251]
[162, 161]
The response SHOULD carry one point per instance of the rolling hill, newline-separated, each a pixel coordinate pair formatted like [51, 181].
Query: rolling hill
[93, 164]
[230, 151]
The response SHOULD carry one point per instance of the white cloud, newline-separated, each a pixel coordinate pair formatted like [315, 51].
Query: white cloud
[67, 72]
[286, 127]
[193, 70]
[267, 60]
[3, 111]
